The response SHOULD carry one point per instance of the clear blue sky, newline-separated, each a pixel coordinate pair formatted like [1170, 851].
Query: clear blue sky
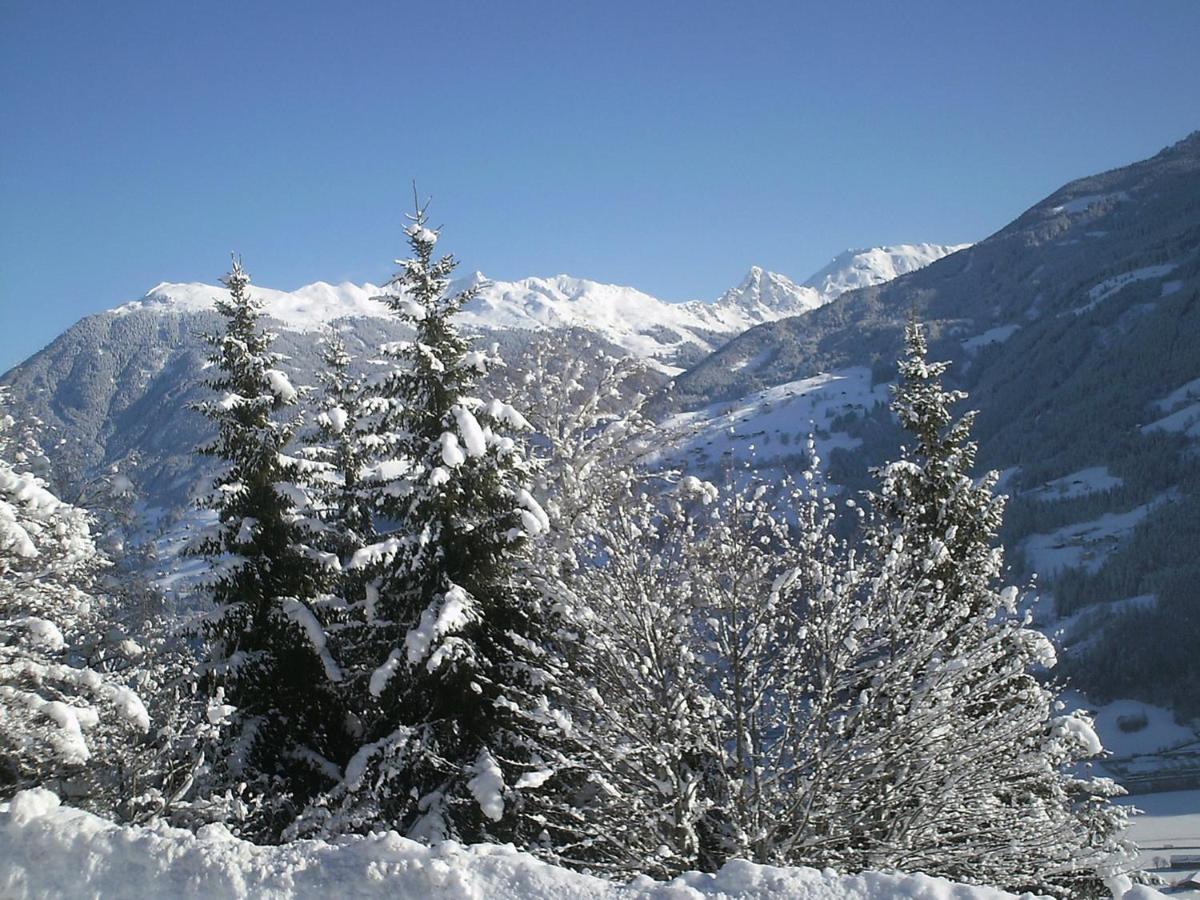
[667, 145]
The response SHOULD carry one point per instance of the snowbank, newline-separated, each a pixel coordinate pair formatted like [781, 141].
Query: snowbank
[49, 850]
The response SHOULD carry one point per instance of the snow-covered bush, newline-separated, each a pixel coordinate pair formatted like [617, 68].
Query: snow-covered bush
[65, 718]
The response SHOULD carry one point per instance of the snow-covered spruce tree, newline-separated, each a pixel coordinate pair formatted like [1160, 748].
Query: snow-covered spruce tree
[462, 735]
[269, 676]
[65, 722]
[952, 757]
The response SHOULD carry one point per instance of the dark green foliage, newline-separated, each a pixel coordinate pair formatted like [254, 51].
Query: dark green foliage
[283, 725]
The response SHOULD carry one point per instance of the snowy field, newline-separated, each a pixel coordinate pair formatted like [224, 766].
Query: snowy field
[48, 850]
[772, 424]
[1169, 827]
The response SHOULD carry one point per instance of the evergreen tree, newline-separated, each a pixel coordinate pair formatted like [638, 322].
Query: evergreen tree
[954, 754]
[462, 735]
[268, 672]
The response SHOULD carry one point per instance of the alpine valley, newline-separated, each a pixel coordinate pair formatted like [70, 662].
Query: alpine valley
[1075, 329]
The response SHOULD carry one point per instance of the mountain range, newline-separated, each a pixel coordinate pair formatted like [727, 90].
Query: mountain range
[642, 325]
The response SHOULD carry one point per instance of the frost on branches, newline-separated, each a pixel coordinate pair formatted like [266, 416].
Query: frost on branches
[955, 754]
[267, 671]
[453, 687]
[65, 718]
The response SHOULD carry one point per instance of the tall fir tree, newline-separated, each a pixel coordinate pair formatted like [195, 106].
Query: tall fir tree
[267, 670]
[462, 735]
[954, 755]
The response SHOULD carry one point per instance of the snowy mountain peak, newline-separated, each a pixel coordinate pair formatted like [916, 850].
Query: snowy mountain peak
[855, 269]
[304, 309]
[764, 291]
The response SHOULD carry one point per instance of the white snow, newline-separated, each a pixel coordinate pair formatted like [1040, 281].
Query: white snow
[1092, 480]
[472, 434]
[1168, 826]
[1081, 730]
[334, 418]
[1183, 408]
[533, 517]
[997, 335]
[452, 613]
[309, 308]
[303, 617]
[1186, 421]
[855, 269]
[1084, 544]
[381, 676]
[1116, 721]
[642, 325]
[758, 425]
[452, 454]
[1110, 286]
[487, 785]
[1082, 204]
[281, 386]
[50, 850]
[1081, 628]
[1185, 393]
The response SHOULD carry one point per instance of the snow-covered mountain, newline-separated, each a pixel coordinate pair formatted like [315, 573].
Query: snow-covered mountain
[645, 326]
[856, 269]
[308, 308]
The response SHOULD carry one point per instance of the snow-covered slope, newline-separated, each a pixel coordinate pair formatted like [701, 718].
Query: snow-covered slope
[855, 269]
[48, 850]
[641, 324]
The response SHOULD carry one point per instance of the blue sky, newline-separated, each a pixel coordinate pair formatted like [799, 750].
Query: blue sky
[667, 145]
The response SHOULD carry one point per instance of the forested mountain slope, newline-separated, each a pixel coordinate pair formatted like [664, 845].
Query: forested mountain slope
[1076, 330]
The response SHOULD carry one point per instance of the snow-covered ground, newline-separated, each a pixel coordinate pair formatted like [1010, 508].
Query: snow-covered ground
[1110, 286]
[1085, 544]
[1131, 727]
[48, 850]
[1168, 827]
[775, 423]
[1182, 407]
[1092, 480]
[1078, 629]
[997, 335]
[1082, 204]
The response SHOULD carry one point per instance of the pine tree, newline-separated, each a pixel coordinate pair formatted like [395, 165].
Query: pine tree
[268, 671]
[66, 719]
[462, 737]
[954, 754]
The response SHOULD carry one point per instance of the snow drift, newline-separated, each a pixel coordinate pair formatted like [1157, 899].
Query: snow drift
[50, 850]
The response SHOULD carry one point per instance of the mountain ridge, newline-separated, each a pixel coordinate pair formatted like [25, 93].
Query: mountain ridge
[636, 321]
